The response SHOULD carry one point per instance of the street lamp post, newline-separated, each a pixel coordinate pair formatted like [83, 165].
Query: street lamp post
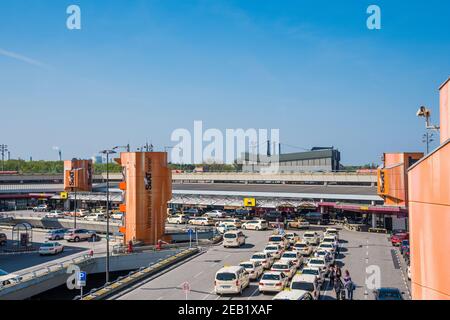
[107, 153]
[74, 190]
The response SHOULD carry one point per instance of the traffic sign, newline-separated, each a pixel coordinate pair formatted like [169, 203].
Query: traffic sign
[81, 281]
[190, 232]
[186, 287]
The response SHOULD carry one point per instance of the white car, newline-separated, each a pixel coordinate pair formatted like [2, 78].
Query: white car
[40, 208]
[311, 237]
[330, 239]
[292, 237]
[320, 276]
[51, 248]
[327, 255]
[97, 216]
[274, 250]
[7, 279]
[55, 214]
[293, 295]
[255, 225]
[318, 262]
[327, 247]
[408, 272]
[265, 259]
[215, 214]
[306, 283]
[231, 280]
[294, 256]
[254, 268]
[287, 267]
[178, 219]
[233, 239]
[232, 222]
[222, 228]
[117, 216]
[279, 240]
[272, 281]
[201, 221]
[304, 248]
[332, 232]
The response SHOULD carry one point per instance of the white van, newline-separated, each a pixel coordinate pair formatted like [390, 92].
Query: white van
[233, 238]
[231, 280]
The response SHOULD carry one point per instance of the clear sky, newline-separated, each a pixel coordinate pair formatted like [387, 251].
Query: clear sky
[137, 70]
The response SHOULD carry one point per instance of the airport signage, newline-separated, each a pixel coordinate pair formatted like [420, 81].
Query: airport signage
[63, 195]
[81, 280]
[249, 202]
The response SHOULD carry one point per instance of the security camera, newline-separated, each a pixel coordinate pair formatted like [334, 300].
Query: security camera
[423, 112]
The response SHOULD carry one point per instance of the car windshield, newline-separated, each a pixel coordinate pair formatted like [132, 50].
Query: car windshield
[308, 235]
[269, 276]
[300, 245]
[300, 285]
[247, 265]
[47, 245]
[258, 256]
[326, 245]
[280, 266]
[391, 294]
[321, 253]
[311, 271]
[225, 276]
[328, 240]
[272, 248]
[230, 235]
[289, 255]
[316, 261]
[3, 272]
[275, 239]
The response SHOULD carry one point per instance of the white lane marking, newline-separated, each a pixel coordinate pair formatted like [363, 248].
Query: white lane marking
[207, 295]
[253, 293]
[160, 298]
[227, 256]
[198, 274]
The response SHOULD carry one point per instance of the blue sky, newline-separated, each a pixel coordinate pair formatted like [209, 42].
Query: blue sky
[137, 70]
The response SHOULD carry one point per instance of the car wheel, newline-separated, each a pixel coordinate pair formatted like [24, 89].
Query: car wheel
[257, 228]
[94, 237]
[76, 239]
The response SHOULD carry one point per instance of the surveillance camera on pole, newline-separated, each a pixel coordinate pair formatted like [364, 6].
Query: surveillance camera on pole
[426, 113]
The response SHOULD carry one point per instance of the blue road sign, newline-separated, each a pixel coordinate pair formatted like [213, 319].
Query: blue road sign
[190, 231]
[81, 278]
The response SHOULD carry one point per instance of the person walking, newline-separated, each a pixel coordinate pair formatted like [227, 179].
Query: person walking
[337, 272]
[331, 274]
[348, 285]
[338, 288]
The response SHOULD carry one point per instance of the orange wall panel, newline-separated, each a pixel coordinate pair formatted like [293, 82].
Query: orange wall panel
[429, 219]
[445, 111]
[83, 177]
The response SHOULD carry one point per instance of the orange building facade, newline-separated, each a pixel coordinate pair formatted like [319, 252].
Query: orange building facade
[147, 188]
[393, 177]
[429, 212]
[78, 175]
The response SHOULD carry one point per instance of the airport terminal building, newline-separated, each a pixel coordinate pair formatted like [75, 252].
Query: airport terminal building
[316, 160]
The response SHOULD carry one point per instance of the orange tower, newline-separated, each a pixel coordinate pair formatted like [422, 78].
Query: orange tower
[78, 175]
[147, 187]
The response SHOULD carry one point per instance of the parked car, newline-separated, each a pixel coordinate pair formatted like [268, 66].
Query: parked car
[117, 216]
[40, 208]
[80, 213]
[293, 256]
[55, 214]
[319, 274]
[273, 281]
[215, 214]
[229, 280]
[255, 225]
[51, 248]
[96, 216]
[388, 294]
[178, 219]
[316, 218]
[3, 239]
[275, 250]
[298, 224]
[320, 263]
[327, 255]
[404, 246]
[397, 238]
[223, 228]
[192, 212]
[57, 234]
[242, 214]
[254, 268]
[8, 278]
[311, 237]
[303, 248]
[293, 295]
[233, 221]
[201, 221]
[77, 235]
[233, 239]
[285, 266]
[306, 283]
[408, 272]
[280, 240]
[264, 258]
[292, 237]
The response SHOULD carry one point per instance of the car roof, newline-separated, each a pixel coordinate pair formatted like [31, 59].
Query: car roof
[233, 231]
[247, 262]
[304, 278]
[232, 269]
[289, 294]
[273, 272]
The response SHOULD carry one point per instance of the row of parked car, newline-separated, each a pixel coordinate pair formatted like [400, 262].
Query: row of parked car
[84, 214]
[401, 240]
[287, 262]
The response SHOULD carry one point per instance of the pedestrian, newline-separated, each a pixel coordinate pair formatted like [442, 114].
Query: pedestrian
[348, 285]
[338, 288]
[331, 274]
[337, 272]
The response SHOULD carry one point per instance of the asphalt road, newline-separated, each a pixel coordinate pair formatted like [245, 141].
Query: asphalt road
[358, 252]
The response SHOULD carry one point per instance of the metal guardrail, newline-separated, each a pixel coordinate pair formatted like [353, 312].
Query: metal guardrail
[52, 268]
[135, 276]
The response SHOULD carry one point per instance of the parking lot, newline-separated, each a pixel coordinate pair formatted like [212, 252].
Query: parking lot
[360, 254]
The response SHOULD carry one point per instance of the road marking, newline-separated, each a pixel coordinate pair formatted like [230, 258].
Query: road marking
[160, 298]
[253, 293]
[198, 274]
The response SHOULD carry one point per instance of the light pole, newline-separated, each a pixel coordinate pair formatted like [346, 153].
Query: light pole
[107, 153]
[427, 138]
[3, 150]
